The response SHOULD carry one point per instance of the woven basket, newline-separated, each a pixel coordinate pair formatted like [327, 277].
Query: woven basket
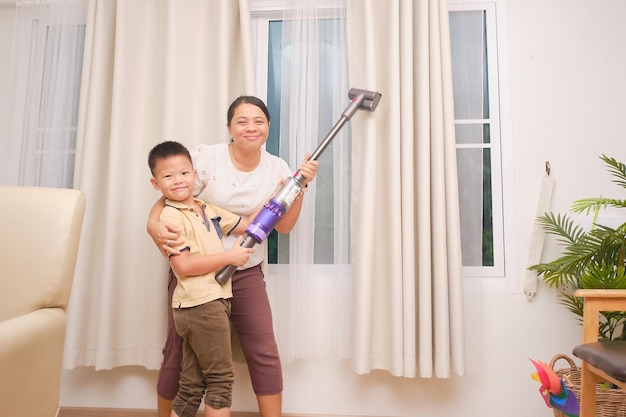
[609, 402]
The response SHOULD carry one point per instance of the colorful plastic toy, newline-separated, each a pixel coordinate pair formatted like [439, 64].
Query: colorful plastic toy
[554, 391]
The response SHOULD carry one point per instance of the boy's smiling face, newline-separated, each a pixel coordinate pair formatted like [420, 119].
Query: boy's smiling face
[175, 177]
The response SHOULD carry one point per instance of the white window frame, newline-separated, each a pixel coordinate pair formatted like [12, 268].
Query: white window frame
[497, 270]
[490, 278]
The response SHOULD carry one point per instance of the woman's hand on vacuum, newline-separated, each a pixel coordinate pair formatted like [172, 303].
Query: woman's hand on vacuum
[308, 169]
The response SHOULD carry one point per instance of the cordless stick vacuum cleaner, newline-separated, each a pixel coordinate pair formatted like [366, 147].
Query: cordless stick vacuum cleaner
[284, 198]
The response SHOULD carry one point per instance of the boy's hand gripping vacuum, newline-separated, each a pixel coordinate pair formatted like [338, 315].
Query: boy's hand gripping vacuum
[284, 198]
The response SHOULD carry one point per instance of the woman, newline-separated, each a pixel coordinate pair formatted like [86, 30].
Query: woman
[238, 176]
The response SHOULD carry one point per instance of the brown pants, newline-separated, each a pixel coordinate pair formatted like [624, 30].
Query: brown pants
[251, 317]
[207, 366]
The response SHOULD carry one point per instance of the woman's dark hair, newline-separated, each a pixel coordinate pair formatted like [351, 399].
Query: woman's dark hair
[246, 99]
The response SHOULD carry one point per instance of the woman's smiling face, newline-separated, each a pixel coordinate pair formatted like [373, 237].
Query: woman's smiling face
[249, 127]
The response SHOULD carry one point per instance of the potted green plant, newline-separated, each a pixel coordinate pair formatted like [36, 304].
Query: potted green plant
[591, 258]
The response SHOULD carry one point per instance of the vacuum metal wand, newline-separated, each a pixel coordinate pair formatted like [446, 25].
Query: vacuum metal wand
[284, 198]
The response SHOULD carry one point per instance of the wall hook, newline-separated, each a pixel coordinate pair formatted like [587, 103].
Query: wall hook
[548, 168]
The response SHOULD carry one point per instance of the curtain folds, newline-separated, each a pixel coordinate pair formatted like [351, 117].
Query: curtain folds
[153, 70]
[406, 251]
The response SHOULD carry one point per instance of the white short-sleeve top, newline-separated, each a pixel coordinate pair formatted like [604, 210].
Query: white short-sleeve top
[220, 183]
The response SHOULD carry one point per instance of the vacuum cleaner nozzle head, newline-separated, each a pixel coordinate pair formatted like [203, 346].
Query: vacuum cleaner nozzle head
[370, 98]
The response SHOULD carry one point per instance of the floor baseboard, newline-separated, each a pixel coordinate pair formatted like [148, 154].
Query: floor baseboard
[127, 412]
[132, 412]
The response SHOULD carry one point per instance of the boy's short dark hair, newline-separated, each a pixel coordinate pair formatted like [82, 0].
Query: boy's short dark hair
[164, 150]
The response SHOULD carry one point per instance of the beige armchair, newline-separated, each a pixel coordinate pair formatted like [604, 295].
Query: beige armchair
[39, 234]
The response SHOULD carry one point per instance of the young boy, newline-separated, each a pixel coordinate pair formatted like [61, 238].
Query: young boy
[200, 304]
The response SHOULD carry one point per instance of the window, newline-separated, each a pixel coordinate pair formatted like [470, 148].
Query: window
[315, 101]
[46, 149]
[477, 120]
[46, 95]
[279, 50]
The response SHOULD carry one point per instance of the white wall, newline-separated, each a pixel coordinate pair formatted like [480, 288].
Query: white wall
[567, 87]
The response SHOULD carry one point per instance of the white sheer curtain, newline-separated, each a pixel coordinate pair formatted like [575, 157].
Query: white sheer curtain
[46, 64]
[406, 250]
[153, 70]
[309, 294]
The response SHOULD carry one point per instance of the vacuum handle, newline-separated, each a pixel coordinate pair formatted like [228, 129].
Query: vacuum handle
[360, 100]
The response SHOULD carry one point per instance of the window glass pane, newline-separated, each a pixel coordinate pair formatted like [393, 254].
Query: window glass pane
[474, 171]
[472, 133]
[50, 140]
[273, 88]
[487, 217]
[469, 68]
[275, 35]
[475, 135]
[332, 57]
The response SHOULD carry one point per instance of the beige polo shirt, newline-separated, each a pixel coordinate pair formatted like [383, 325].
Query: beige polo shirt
[200, 240]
